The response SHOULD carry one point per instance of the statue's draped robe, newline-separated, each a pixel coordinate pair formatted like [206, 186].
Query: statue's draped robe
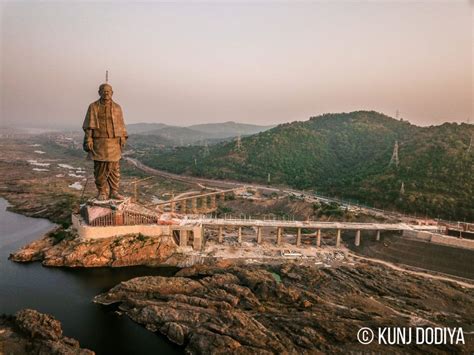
[104, 127]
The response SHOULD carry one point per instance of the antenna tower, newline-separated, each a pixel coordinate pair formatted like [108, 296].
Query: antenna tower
[402, 188]
[206, 149]
[106, 76]
[394, 159]
[472, 138]
[239, 143]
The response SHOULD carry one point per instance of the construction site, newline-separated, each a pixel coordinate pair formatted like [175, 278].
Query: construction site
[190, 220]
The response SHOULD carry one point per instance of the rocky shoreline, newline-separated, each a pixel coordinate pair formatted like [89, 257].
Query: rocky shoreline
[62, 248]
[32, 332]
[69, 251]
[292, 308]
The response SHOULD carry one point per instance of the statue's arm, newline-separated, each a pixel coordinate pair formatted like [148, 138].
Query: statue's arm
[88, 144]
[124, 137]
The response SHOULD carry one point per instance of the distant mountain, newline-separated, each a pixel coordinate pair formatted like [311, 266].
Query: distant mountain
[229, 129]
[348, 155]
[179, 135]
[143, 128]
[195, 134]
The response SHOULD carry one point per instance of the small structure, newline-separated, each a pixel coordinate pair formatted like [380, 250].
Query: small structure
[116, 213]
[114, 218]
[195, 204]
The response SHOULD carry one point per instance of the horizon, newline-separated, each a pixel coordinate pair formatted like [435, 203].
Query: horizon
[255, 63]
[71, 128]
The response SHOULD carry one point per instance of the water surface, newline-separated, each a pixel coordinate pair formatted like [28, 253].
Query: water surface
[67, 293]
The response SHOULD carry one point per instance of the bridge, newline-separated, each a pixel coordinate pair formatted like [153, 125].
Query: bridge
[196, 204]
[279, 227]
[189, 231]
[97, 220]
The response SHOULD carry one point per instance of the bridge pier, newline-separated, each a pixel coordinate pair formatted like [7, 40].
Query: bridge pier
[279, 235]
[338, 238]
[213, 202]
[194, 205]
[222, 195]
[173, 207]
[278, 227]
[204, 204]
[183, 238]
[259, 235]
[183, 206]
[357, 238]
[221, 234]
[198, 233]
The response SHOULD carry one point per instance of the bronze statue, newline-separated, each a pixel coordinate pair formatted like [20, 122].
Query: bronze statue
[104, 138]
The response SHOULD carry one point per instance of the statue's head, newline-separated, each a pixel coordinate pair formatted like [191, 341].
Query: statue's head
[106, 92]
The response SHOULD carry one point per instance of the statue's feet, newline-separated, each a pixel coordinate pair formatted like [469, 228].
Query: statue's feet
[102, 197]
[114, 195]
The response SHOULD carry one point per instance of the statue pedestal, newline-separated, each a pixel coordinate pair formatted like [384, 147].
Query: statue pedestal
[116, 213]
[114, 218]
[112, 204]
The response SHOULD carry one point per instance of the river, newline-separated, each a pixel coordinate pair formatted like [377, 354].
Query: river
[67, 293]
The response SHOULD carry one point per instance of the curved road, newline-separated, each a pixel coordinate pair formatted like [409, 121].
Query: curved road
[235, 184]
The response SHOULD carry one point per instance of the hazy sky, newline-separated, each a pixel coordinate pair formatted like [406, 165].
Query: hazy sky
[257, 62]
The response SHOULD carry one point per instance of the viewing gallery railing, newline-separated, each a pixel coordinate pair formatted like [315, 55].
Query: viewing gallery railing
[125, 218]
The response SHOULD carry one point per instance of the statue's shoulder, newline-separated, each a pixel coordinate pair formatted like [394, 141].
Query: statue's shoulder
[94, 104]
[117, 106]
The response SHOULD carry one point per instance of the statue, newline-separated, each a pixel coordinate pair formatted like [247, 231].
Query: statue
[104, 139]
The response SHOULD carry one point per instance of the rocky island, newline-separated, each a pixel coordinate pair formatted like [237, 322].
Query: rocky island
[31, 332]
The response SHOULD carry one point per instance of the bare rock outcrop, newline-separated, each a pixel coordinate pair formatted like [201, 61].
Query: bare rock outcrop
[292, 309]
[115, 252]
[32, 332]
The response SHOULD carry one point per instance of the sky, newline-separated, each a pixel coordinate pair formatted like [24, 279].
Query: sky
[264, 62]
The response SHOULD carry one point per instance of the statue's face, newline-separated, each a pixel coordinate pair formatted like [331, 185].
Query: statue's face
[106, 93]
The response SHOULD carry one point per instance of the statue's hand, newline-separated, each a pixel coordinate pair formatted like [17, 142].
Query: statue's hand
[88, 145]
[123, 140]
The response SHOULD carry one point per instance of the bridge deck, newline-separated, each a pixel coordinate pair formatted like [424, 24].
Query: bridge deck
[309, 224]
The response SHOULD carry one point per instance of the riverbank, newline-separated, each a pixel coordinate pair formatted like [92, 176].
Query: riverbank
[66, 294]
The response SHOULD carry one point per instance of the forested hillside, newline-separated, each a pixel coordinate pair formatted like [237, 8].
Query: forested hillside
[348, 155]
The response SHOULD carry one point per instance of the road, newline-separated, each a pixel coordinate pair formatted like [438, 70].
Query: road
[235, 184]
[201, 181]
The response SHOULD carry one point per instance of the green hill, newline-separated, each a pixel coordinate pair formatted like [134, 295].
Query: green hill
[348, 155]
